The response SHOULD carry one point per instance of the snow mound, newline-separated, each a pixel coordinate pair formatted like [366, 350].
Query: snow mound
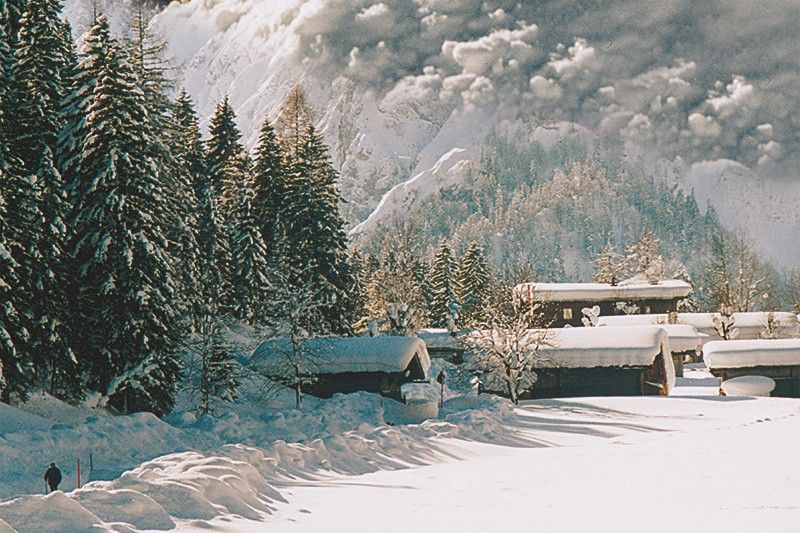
[54, 512]
[748, 386]
[128, 506]
[13, 419]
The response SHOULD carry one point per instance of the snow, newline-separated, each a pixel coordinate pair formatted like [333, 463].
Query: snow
[591, 347]
[748, 386]
[751, 353]
[440, 339]
[336, 355]
[750, 325]
[602, 292]
[682, 337]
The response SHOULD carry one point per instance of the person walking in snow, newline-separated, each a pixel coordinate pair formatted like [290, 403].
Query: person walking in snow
[53, 477]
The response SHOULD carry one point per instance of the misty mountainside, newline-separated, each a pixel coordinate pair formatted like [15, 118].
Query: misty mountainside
[413, 94]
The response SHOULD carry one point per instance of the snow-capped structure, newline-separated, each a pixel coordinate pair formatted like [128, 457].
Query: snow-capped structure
[604, 362]
[751, 325]
[379, 364]
[567, 302]
[778, 359]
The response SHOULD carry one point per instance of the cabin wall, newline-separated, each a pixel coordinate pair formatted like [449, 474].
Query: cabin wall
[579, 382]
[787, 378]
[571, 313]
[385, 384]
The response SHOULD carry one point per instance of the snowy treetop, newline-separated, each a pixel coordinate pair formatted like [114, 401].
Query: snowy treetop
[603, 292]
[751, 353]
[338, 355]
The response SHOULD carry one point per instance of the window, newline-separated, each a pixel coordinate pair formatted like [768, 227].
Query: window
[567, 313]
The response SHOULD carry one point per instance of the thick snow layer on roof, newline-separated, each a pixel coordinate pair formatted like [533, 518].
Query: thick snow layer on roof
[750, 325]
[440, 339]
[603, 292]
[752, 352]
[607, 347]
[682, 337]
[748, 386]
[337, 355]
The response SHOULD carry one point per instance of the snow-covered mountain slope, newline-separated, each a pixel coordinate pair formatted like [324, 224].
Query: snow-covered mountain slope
[398, 85]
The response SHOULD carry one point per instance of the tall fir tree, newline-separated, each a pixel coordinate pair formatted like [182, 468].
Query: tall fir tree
[315, 230]
[126, 286]
[269, 183]
[40, 62]
[444, 298]
[473, 287]
[224, 143]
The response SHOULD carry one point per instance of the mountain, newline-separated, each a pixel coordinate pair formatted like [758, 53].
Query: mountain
[408, 92]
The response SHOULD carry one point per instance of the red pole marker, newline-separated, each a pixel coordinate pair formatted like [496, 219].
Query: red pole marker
[79, 472]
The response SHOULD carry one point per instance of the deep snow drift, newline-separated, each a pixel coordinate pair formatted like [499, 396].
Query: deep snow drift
[677, 463]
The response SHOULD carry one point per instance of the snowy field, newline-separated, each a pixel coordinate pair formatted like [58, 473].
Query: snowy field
[693, 462]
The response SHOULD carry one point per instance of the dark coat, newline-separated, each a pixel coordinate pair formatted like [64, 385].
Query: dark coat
[53, 477]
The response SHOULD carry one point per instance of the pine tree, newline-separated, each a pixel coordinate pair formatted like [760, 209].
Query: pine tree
[126, 288]
[39, 64]
[249, 256]
[222, 145]
[473, 286]
[444, 299]
[315, 229]
[269, 185]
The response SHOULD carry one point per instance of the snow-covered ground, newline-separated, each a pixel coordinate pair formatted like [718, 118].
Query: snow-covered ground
[693, 462]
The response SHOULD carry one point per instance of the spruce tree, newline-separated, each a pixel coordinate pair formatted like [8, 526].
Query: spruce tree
[473, 286]
[126, 287]
[315, 230]
[250, 258]
[223, 144]
[269, 183]
[444, 299]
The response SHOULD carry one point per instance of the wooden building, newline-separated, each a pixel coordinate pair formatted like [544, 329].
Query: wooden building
[331, 365]
[753, 325]
[578, 362]
[564, 303]
[685, 342]
[778, 359]
[443, 344]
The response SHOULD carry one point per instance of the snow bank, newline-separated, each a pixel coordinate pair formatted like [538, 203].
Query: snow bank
[128, 506]
[13, 419]
[336, 355]
[602, 292]
[751, 353]
[748, 386]
[54, 512]
[750, 325]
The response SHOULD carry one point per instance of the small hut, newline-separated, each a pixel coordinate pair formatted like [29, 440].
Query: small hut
[603, 362]
[778, 359]
[753, 325]
[564, 302]
[347, 364]
[443, 344]
[685, 342]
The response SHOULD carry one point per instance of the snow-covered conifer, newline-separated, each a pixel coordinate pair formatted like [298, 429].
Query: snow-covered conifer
[473, 286]
[442, 286]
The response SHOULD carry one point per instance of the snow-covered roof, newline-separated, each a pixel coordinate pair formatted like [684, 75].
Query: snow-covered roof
[751, 353]
[607, 347]
[750, 325]
[682, 337]
[440, 339]
[338, 355]
[603, 292]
